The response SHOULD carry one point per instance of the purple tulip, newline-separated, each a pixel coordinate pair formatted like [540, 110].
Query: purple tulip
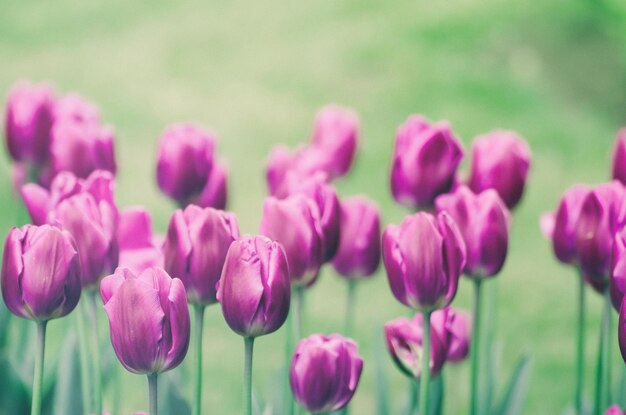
[563, 234]
[301, 162]
[614, 410]
[40, 272]
[295, 223]
[424, 257]
[195, 249]
[215, 192]
[325, 372]
[28, 121]
[618, 269]
[81, 148]
[621, 330]
[254, 289]
[500, 161]
[336, 133]
[359, 247]
[460, 329]
[619, 157]
[483, 221]
[148, 319]
[73, 107]
[139, 248]
[425, 160]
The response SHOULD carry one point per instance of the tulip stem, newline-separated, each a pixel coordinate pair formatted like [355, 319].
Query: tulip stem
[38, 378]
[84, 358]
[475, 348]
[425, 373]
[299, 312]
[97, 369]
[602, 372]
[580, 347]
[414, 389]
[350, 303]
[153, 393]
[247, 373]
[199, 320]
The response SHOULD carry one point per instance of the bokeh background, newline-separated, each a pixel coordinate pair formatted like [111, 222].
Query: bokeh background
[256, 72]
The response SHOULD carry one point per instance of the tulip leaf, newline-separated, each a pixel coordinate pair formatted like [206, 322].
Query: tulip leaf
[515, 395]
[620, 389]
[171, 399]
[5, 319]
[66, 399]
[14, 396]
[380, 368]
[435, 395]
[22, 350]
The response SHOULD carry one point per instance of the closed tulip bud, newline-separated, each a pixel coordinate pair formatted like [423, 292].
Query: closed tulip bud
[617, 281]
[563, 234]
[295, 223]
[336, 133]
[215, 192]
[359, 246]
[483, 221]
[424, 257]
[283, 162]
[614, 410]
[40, 272]
[619, 157]
[28, 120]
[460, 329]
[139, 248]
[325, 372]
[500, 161]
[621, 330]
[254, 289]
[425, 161]
[73, 107]
[148, 319]
[195, 249]
[81, 148]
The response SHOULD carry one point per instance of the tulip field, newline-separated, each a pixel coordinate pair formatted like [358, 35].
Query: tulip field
[281, 208]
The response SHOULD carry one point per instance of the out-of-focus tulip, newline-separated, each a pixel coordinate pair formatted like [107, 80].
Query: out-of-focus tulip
[500, 161]
[73, 107]
[460, 329]
[619, 157]
[148, 319]
[40, 272]
[40, 201]
[424, 257]
[614, 410]
[336, 133]
[425, 161]
[325, 372]
[195, 249]
[186, 169]
[621, 330]
[294, 222]
[255, 289]
[483, 221]
[81, 148]
[139, 248]
[28, 120]
[618, 269]
[563, 234]
[359, 246]
[301, 162]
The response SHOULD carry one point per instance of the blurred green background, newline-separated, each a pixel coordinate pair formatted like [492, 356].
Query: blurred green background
[256, 72]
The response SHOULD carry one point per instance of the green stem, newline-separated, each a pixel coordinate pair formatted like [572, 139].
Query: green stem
[97, 368]
[38, 378]
[425, 373]
[153, 394]
[350, 303]
[414, 395]
[83, 354]
[199, 320]
[602, 383]
[247, 373]
[475, 348]
[608, 309]
[299, 312]
[580, 348]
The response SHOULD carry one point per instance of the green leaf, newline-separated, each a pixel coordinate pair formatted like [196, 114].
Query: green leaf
[380, 368]
[14, 396]
[171, 399]
[515, 395]
[620, 389]
[5, 319]
[67, 396]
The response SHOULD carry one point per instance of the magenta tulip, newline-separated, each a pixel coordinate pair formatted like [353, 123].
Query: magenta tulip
[460, 329]
[73, 107]
[621, 330]
[614, 410]
[336, 133]
[619, 157]
[301, 162]
[566, 222]
[139, 247]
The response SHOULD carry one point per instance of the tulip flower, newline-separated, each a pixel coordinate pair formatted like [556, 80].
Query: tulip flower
[139, 248]
[336, 133]
[254, 291]
[460, 330]
[425, 160]
[28, 120]
[619, 157]
[302, 162]
[187, 170]
[325, 372]
[566, 222]
[149, 322]
[73, 107]
[614, 410]
[40, 282]
[483, 221]
[500, 161]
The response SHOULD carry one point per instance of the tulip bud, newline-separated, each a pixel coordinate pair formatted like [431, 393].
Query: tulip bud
[254, 288]
[359, 247]
[294, 222]
[27, 122]
[139, 248]
[460, 329]
[424, 257]
[614, 410]
[195, 249]
[619, 157]
[336, 133]
[500, 161]
[40, 272]
[425, 160]
[566, 222]
[148, 319]
[325, 372]
[483, 221]
[621, 330]
[74, 108]
[40, 201]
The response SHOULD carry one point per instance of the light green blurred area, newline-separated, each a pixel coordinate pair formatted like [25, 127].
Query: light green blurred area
[256, 72]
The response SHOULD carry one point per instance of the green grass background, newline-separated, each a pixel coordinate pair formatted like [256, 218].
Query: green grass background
[256, 72]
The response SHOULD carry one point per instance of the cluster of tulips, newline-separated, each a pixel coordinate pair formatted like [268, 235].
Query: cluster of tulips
[82, 249]
[588, 232]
